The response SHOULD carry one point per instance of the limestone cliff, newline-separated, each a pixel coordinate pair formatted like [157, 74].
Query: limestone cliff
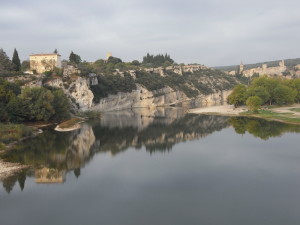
[142, 97]
[77, 90]
[197, 85]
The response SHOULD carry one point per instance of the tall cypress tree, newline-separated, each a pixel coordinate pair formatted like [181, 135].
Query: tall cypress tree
[16, 61]
[5, 63]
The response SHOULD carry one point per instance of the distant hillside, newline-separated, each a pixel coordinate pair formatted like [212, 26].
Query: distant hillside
[288, 63]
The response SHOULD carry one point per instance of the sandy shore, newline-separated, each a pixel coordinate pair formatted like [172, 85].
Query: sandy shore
[75, 127]
[222, 110]
[7, 169]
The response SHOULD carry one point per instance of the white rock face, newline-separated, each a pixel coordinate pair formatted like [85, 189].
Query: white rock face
[213, 99]
[81, 92]
[163, 97]
[140, 98]
[78, 91]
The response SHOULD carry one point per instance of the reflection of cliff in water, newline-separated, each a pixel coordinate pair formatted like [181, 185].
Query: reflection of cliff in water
[140, 118]
[157, 131]
[261, 128]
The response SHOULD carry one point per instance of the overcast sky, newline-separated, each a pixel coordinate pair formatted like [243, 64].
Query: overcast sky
[212, 32]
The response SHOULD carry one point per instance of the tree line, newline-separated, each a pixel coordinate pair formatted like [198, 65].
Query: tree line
[31, 104]
[265, 90]
[157, 60]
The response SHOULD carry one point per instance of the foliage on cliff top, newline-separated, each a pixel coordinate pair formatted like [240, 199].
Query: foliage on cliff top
[112, 84]
[157, 60]
[205, 81]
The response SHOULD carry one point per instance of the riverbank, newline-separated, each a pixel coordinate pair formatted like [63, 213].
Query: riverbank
[228, 110]
[69, 125]
[286, 114]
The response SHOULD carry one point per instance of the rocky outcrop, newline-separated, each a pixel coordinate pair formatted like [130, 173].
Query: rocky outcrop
[77, 90]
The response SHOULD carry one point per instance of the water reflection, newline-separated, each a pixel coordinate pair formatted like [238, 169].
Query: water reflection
[52, 155]
[260, 128]
[160, 134]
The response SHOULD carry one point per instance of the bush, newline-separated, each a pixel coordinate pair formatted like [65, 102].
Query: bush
[254, 103]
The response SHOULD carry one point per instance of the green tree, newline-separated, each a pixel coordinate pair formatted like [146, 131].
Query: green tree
[284, 95]
[16, 61]
[114, 60]
[61, 106]
[5, 63]
[25, 65]
[38, 103]
[157, 60]
[4, 117]
[295, 85]
[55, 51]
[269, 84]
[254, 103]
[74, 58]
[135, 63]
[237, 97]
[8, 90]
[258, 91]
[18, 110]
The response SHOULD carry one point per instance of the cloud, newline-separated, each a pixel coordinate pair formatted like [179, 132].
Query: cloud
[215, 32]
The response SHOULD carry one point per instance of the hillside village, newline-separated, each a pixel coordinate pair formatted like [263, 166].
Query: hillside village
[273, 71]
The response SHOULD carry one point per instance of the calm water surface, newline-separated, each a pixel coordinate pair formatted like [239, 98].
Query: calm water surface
[161, 167]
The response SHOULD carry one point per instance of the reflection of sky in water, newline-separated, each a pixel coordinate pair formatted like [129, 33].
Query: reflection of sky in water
[221, 178]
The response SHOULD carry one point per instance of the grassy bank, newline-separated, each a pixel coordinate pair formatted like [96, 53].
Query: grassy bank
[295, 109]
[13, 132]
[271, 115]
[70, 123]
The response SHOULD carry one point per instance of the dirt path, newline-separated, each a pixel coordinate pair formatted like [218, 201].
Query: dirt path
[287, 109]
[222, 110]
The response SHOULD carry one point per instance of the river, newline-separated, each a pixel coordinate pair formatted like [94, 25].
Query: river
[141, 167]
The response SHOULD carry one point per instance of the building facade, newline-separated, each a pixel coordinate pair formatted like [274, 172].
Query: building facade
[44, 62]
[263, 70]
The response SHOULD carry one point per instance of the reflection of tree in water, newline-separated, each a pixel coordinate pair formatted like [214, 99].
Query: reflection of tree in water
[261, 128]
[52, 154]
[39, 150]
[9, 182]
